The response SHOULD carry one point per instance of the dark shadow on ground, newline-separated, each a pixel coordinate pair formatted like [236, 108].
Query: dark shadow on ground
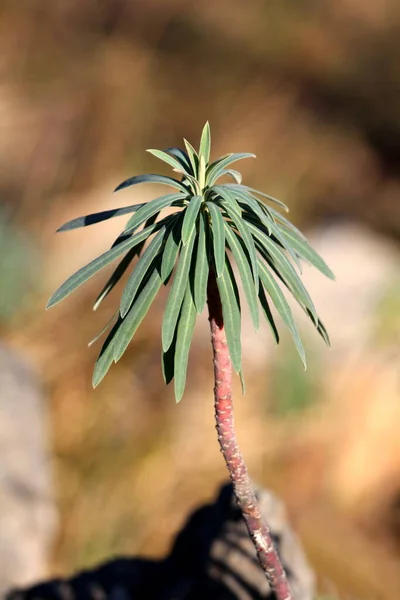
[211, 558]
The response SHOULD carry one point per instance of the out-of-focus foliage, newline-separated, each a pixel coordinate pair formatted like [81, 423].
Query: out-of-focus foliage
[387, 328]
[19, 269]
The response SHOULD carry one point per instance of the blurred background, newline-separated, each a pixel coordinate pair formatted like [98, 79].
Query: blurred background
[313, 88]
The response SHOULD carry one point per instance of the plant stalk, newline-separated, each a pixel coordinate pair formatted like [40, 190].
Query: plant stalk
[242, 485]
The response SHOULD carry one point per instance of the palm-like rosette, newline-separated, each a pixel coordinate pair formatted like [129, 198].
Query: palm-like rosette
[211, 223]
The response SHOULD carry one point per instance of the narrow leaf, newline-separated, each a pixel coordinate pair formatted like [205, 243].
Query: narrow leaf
[268, 314]
[271, 198]
[242, 382]
[285, 270]
[284, 221]
[185, 328]
[152, 207]
[105, 358]
[123, 265]
[282, 306]
[189, 220]
[176, 293]
[323, 332]
[243, 264]
[171, 250]
[205, 143]
[252, 207]
[236, 175]
[231, 314]
[305, 251]
[170, 160]
[201, 269]
[151, 178]
[193, 157]
[140, 270]
[182, 158]
[216, 168]
[102, 332]
[167, 362]
[140, 306]
[86, 272]
[221, 192]
[218, 235]
[268, 228]
[98, 217]
[247, 238]
[193, 184]
[115, 277]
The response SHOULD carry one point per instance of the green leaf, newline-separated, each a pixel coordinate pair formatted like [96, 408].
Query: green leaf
[105, 358]
[193, 184]
[236, 175]
[176, 293]
[231, 313]
[167, 362]
[123, 265]
[268, 314]
[279, 217]
[242, 382]
[322, 331]
[115, 277]
[182, 157]
[152, 207]
[170, 160]
[282, 306]
[152, 178]
[243, 264]
[304, 250]
[216, 168]
[222, 193]
[271, 198]
[201, 269]
[193, 157]
[171, 250]
[268, 228]
[140, 306]
[98, 217]
[252, 208]
[102, 261]
[185, 328]
[205, 143]
[189, 220]
[247, 238]
[102, 332]
[285, 270]
[140, 270]
[218, 235]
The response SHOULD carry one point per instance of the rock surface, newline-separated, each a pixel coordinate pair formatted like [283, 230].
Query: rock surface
[27, 511]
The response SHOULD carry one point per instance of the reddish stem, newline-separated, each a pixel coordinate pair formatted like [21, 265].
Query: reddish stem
[242, 486]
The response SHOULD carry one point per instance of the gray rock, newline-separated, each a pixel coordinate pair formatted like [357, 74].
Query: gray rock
[27, 511]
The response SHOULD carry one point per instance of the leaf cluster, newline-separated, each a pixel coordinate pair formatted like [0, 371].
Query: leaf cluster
[210, 224]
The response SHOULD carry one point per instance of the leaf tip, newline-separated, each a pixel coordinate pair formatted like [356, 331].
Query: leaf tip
[123, 311]
[178, 396]
[95, 381]
[331, 275]
[119, 187]
[51, 302]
